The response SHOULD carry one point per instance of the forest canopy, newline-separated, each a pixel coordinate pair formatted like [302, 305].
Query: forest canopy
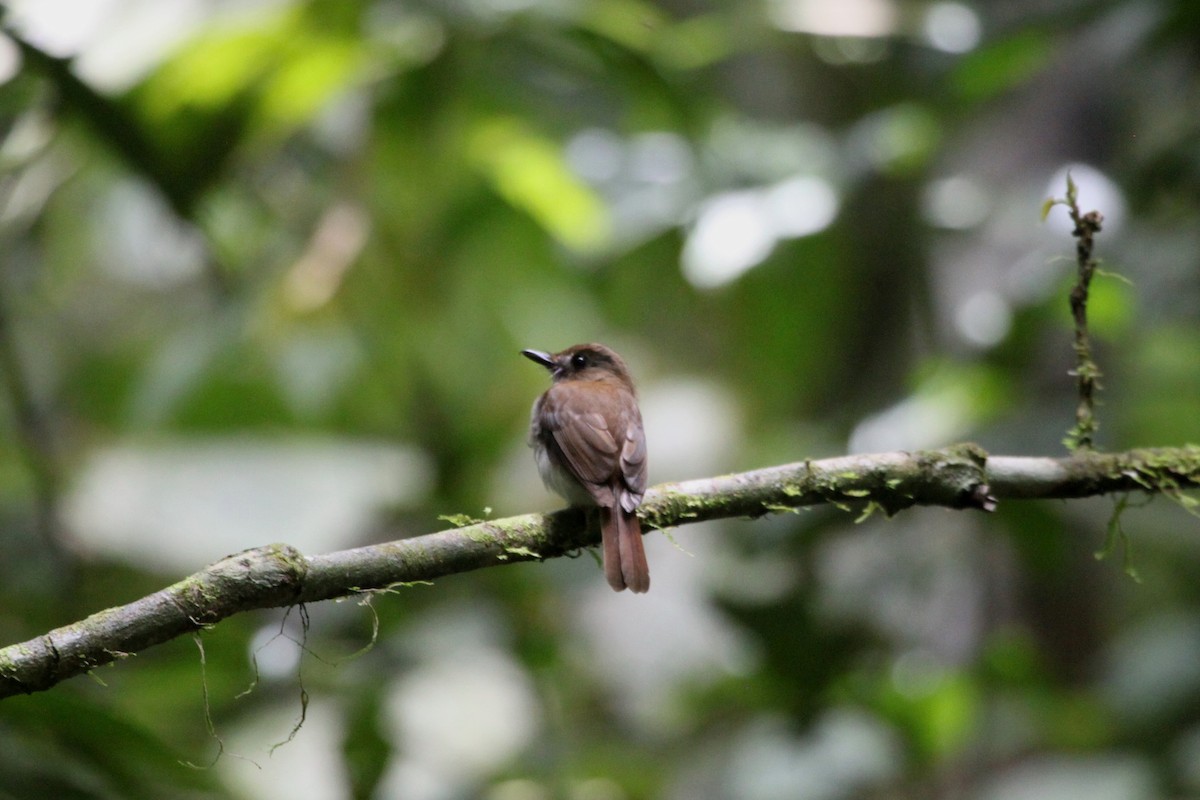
[267, 271]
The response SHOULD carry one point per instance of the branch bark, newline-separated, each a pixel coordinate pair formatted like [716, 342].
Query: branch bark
[278, 575]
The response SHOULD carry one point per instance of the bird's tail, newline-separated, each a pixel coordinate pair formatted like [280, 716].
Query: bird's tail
[625, 564]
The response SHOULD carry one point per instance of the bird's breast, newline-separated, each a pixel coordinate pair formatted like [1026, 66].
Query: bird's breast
[559, 479]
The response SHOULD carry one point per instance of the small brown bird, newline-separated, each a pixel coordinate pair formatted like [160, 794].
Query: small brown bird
[586, 431]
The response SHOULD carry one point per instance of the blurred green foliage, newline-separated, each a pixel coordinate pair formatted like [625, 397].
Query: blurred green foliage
[314, 224]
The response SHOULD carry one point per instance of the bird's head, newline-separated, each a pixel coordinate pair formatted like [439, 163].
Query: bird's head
[582, 362]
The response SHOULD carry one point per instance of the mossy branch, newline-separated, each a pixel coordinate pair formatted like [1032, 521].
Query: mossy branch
[960, 477]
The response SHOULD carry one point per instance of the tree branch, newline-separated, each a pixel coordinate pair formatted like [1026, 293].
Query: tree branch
[34, 438]
[963, 476]
[181, 175]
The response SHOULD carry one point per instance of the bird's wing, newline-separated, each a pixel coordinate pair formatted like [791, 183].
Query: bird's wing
[583, 437]
[633, 462]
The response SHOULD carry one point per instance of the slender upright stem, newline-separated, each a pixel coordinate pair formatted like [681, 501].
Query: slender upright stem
[1087, 373]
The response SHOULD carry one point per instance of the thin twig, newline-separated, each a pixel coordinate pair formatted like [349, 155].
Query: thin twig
[1087, 373]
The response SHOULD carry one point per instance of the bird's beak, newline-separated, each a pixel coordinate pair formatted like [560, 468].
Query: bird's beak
[544, 359]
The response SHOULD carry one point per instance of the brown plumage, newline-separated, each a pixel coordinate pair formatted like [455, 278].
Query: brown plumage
[586, 431]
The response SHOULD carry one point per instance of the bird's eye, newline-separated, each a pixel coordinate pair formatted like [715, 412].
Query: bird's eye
[579, 361]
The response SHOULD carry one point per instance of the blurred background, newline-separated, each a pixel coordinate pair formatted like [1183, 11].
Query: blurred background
[266, 269]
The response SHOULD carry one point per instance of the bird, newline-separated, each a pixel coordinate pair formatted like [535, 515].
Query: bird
[590, 447]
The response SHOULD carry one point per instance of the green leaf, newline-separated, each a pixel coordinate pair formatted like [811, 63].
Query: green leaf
[1001, 66]
[1046, 206]
[529, 172]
